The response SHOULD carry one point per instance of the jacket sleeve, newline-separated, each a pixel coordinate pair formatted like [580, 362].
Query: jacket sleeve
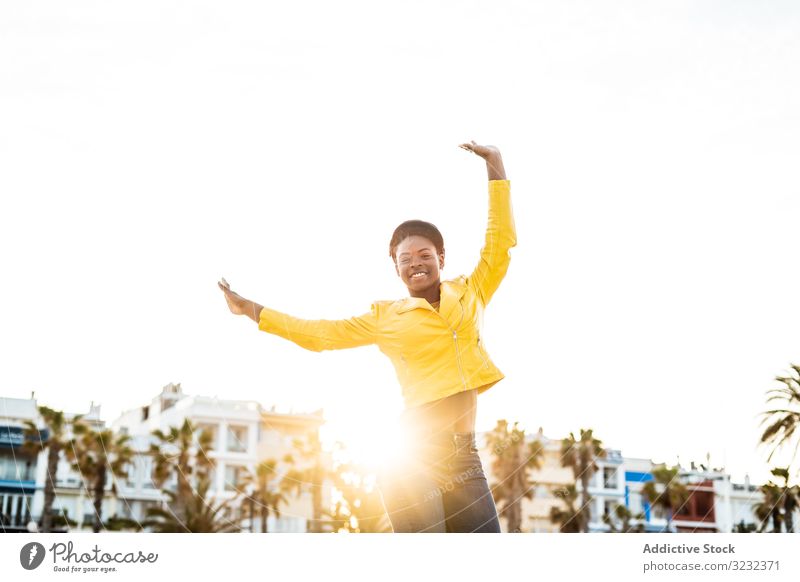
[501, 235]
[321, 334]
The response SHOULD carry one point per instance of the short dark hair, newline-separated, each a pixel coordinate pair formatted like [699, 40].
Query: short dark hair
[416, 227]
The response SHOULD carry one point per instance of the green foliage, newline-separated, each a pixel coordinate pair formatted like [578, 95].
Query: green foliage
[513, 459]
[194, 515]
[666, 491]
[782, 423]
[581, 455]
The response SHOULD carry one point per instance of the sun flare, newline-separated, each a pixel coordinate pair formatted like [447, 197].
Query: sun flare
[371, 444]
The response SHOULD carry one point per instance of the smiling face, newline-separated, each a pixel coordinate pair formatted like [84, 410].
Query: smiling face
[418, 265]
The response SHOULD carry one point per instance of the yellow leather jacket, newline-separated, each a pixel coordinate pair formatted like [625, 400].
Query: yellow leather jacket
[435, 354]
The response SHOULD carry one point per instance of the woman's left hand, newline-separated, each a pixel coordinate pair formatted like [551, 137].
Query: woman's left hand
[484, 151]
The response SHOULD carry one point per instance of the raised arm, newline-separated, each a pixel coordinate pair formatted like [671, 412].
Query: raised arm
[494, 161]
[312, 334]
[501, 234]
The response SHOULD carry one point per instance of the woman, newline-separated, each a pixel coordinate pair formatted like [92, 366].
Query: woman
[433, 340]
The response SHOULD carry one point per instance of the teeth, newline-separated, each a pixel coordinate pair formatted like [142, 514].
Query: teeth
[417, 275]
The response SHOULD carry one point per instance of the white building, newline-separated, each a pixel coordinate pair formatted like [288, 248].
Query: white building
[243, 435]
[22, 478]
[17, 471]
[714, 504]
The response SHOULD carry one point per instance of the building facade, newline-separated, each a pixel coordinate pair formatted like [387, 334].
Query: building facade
[23, 476]
[243, 434]
[714, 503]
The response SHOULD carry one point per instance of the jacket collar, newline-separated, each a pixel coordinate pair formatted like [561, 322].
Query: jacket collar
[450, 292]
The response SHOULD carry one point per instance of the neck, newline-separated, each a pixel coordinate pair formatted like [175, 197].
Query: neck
[431, 295]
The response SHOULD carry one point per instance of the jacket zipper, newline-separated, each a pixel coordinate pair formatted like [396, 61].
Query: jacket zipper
[455, 341]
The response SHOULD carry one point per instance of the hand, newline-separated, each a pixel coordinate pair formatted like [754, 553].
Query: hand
[494, 162]
[236, 303]
[486, 152]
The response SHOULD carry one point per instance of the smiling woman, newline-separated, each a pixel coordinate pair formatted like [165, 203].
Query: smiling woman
[432, 338]
[417, 249]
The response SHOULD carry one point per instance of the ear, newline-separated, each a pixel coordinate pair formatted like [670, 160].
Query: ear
[441, 260]
[396, 269]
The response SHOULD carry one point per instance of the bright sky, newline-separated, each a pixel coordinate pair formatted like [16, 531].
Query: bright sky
[148, 148]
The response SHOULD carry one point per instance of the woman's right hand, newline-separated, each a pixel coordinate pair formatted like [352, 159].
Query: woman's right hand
[236, 303]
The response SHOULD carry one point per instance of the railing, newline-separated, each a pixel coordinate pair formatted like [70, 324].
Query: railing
[9, 472]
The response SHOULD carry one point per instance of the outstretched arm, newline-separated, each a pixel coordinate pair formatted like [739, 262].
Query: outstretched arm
[494, 161]
[501, 234]
[312, 334]
[238, 304]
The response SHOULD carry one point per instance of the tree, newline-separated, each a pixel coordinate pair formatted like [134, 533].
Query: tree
[666, 491]
[195, 514]
[359, 508]
[790, 497]
[118, 523]
[742, 527]
[623, 515]
[779, 503]
[98, 456]
[267, 489]
[783, 422]
[176, 454]
[512, 460]
[769, 508]
[57, 439]
[312, 477]
[569, 520]
[581, 456]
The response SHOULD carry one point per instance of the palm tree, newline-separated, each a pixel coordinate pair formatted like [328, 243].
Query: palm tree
[268, 488]
[779, 503]
[770, 508]
[57, 431]
[582, 455]
[99, 456]
[176, 454]
[569, 520]
[360, 508]
[624, 516]
[195, 514]
[783, 421]
[312, 477]
[666, 491]
[512, 460]
[743, 527]
[117, 523]
[790, 496]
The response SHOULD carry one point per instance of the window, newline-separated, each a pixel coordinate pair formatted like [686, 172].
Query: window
[609, 477]
[212, 479]
[147, 473]
[233, 477]
[237, 438]
[129, 480]
[704, 506]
